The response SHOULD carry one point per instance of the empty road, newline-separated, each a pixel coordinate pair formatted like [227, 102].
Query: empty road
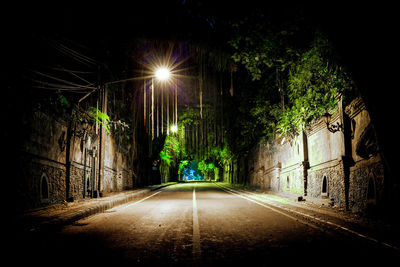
[198, 224]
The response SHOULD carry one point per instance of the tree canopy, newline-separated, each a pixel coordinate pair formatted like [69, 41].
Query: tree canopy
[296, 78]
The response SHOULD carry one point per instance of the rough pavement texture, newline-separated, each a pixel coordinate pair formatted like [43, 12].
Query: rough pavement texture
[159, 230]
[58, 215]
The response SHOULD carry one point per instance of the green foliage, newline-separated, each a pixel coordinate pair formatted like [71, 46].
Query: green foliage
[100, 117]
[261, 46]
[306, 76]
[63, 100]
[202, 166]
[217, 157]
[189, 116]
[225, 154]
[206, 168]
[165, 157]
[211, 166]
[171, 150]
[263, 118]
[313, 85]
[173, 154]
[183, 164]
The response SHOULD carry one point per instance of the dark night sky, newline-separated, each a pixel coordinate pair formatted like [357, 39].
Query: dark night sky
[363, 33]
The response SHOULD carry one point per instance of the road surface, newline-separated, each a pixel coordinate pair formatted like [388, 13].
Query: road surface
[201, 224]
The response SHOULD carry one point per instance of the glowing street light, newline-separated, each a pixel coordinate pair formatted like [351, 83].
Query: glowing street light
[174, 128]
[163, 74]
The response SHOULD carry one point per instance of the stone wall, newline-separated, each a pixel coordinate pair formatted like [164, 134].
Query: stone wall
[42, 176]
[278, 166]
[35, 170]
[367, 173]
[343, 167]
[333, 173]
[326, 151]
[365, 177]
[291, 156]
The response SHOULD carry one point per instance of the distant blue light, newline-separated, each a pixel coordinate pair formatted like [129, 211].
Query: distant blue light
[191, 175]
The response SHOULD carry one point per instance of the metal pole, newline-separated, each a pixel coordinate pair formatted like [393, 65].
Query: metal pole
[144, 104]
[157, 104]
[152, 109]
[173, 105]
[167, 111]
[176, 105]
[162, 111]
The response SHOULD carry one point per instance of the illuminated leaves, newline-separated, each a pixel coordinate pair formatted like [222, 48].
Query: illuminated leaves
[171, 150]
[259, 47]
[313, 85]
[183, 164]
[306, 75]
[165, 157]
[100, 117]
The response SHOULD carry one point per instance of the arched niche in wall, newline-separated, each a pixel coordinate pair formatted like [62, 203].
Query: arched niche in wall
[324, 187]
[44, 188]
[287, 182]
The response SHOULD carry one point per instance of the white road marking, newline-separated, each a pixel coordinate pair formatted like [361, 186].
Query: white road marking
[234, 192]
[196, 229]
[268, 207]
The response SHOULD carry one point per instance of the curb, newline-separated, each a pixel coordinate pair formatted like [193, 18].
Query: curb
[71, 217]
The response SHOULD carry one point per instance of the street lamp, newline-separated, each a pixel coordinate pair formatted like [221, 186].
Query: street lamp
[332, 127]
[174, 128]
[163, 74]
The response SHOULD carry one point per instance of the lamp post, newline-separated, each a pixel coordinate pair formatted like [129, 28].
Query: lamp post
[163, 74]
[333, 128]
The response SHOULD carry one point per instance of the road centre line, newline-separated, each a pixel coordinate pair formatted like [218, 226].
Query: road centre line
[232, 191]
[196, 230]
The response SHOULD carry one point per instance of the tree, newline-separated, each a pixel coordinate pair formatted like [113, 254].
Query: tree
[314, 82]
[285, 59]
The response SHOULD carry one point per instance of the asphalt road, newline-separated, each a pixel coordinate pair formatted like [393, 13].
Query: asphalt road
[197, 224]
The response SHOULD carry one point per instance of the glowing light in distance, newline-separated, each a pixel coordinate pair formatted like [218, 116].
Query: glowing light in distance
[163, 74]
[174, 128]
